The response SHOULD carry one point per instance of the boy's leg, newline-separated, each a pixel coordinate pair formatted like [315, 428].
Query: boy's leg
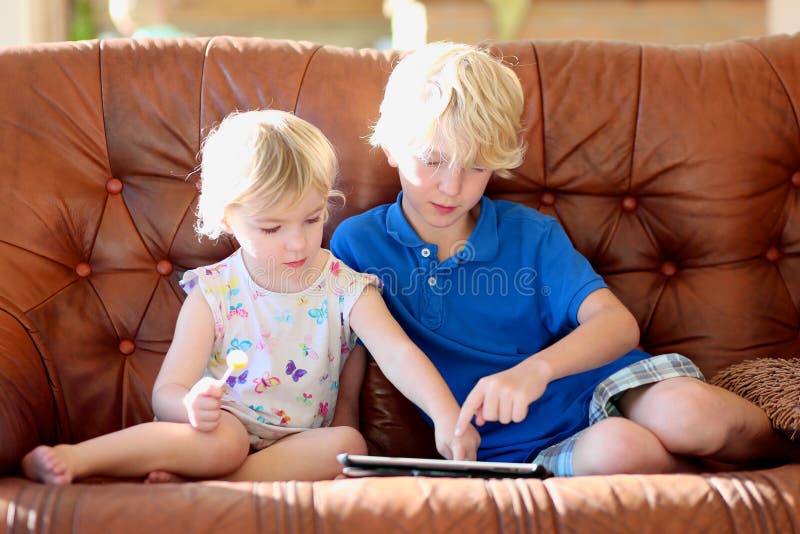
[137, 450]
[308, 455]
[618, 445]
[691, 417]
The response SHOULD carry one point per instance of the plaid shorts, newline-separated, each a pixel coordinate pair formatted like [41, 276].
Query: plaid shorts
[558, 458]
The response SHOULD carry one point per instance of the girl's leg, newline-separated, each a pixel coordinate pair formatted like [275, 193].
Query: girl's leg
[619, 445]
[309, 455]
[693, 418]
[137, 450]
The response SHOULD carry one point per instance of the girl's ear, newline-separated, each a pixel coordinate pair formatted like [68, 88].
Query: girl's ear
[389, 157]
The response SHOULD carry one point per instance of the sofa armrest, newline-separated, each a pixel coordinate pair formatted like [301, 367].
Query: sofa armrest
[27, 414]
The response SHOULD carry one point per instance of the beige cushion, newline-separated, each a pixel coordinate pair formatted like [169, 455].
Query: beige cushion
[773, 384]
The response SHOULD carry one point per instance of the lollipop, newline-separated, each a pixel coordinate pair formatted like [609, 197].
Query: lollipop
[236, 360]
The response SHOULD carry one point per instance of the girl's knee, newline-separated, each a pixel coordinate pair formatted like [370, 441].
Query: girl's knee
[229, 446]
[348, 439]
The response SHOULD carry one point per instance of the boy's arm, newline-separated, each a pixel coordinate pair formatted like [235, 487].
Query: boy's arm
[606, 331]
[350, 380]
[186, 358]
[407, 367]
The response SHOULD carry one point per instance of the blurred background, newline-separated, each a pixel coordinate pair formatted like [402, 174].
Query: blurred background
[398, 23]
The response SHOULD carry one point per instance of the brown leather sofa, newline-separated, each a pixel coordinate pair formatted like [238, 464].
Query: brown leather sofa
[675, 170]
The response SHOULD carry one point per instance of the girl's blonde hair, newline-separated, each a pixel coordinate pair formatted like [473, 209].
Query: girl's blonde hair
[254, 160]
[458, 97]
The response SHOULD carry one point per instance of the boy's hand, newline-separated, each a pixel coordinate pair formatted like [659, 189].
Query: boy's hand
[462, 447]
[203, 404]
[502, 397]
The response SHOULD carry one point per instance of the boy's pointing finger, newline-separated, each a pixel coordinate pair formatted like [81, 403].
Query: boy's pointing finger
[471, 405]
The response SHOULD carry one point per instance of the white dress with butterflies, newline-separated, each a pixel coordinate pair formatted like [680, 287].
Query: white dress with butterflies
[296, 344]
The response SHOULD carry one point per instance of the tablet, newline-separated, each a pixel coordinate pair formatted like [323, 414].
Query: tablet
[356, 465]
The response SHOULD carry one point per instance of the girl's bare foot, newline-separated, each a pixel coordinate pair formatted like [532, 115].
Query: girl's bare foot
[50, 465]
[162, 477]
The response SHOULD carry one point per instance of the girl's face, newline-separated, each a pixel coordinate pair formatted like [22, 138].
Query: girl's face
[282, 247]
[437, 198]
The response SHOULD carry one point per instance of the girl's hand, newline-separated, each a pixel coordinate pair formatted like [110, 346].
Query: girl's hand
[502, 397]
[202, 404]
[463, 447]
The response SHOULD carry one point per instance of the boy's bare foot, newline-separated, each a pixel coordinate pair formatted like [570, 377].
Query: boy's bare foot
[162, 477]
[50, 465]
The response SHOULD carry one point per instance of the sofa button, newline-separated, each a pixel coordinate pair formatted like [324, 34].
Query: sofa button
[629, 204]
[796, 179]
[164, 267]
[547, 198]
[114, 186]
[83, 269]
[773, 254]
[668, 268]
[126, 347]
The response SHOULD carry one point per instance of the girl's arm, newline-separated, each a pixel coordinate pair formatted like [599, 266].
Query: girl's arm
[407, 367]
[606, 331]
[186, 358]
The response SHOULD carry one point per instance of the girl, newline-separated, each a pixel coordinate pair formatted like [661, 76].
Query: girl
[287, 303]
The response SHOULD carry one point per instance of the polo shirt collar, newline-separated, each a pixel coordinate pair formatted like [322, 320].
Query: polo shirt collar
[483, 241]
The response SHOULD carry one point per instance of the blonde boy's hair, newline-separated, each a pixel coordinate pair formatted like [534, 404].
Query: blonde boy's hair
[257, 159]
[460, 98]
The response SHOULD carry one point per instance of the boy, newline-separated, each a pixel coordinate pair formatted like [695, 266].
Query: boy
[529, 338]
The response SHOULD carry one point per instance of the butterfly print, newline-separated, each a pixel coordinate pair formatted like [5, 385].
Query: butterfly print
[266, 381]
[282, 414]
[241, 379]
[305, 399]
[236, 311]
[295, 372]
[242, 345]
[319, 314]
[284, 317]
[259, 409]
[308, 352]
[216, 269]
[322, 410]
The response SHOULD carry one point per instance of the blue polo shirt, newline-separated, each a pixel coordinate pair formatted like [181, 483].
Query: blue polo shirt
[511, 291]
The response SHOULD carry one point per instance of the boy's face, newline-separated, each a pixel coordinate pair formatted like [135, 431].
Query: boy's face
[437, 198]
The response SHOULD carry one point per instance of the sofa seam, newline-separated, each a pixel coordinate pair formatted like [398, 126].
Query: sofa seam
[303, 77]
[541, 113]
[780, 80]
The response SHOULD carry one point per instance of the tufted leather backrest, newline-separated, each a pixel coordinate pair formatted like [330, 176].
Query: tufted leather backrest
[673, 169]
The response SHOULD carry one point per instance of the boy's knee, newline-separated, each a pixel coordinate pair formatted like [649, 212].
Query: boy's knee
[618, 445]
[691, 417]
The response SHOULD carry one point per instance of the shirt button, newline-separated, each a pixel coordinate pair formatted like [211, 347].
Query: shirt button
[432, 281]
[425, 252]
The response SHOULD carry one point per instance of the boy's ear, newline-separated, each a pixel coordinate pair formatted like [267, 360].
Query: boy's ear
[389, 157]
